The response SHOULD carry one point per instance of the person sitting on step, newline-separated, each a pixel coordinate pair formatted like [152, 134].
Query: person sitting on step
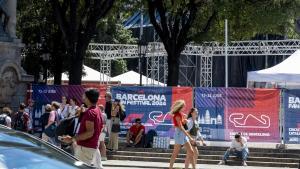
[135, 133]
[238, 148]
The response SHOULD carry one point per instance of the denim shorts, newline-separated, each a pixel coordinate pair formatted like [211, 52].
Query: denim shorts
[180, 137]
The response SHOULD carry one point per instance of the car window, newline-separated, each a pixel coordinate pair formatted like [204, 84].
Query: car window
[35, 158]
[18, 138]
[22, 151]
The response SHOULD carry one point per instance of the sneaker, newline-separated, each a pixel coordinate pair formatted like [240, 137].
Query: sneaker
[244, 163]
[103, 158]
[221, 162]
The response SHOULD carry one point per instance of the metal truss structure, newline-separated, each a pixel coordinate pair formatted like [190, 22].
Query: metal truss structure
[156, 56]
[157, 66]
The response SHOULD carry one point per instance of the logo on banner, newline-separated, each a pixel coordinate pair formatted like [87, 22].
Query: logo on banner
[239, 120]
[294, 103]
[158, 118]
[143, 99]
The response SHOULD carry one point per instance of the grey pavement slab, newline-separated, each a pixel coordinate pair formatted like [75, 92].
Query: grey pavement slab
[111, 164]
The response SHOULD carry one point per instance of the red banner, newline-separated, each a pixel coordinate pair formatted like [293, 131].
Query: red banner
[259, 122]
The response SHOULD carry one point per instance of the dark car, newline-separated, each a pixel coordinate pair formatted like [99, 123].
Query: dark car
[22, 151]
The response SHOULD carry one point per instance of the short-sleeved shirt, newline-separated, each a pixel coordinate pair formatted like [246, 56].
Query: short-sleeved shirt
[135, 129]
[237, 145]
[7, 118]
[180, 115]
[92, 114]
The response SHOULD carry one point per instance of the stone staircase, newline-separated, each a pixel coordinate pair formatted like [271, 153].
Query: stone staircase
[212, 155]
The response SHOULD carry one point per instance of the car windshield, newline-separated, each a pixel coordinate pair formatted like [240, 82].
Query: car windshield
[22, 151]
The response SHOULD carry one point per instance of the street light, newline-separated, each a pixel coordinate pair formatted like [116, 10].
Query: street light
[142, 49]
[45, 57]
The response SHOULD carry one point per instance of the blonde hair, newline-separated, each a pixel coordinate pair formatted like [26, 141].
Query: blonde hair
[177, 106]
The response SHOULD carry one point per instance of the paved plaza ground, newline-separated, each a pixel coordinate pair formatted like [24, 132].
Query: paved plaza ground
[120, 164]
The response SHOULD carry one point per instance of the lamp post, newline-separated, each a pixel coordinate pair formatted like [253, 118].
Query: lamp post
[46, 58]
[142, 49]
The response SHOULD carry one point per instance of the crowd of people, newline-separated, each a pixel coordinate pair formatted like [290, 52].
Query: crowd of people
[81, 129]
[19, 120]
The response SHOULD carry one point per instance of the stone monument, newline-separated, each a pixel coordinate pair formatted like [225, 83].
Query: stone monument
[13, 78]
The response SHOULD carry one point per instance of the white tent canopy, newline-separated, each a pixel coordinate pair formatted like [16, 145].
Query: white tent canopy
[133, 78]
[287, 71]
[91, 75]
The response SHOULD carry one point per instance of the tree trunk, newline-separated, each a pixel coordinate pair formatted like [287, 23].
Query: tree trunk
[75, 72]
[173, 68]
[57, 69]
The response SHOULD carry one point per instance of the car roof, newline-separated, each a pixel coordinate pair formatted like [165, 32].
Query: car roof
[17, 141]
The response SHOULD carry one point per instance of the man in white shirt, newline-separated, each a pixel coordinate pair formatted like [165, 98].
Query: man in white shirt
[238, 148]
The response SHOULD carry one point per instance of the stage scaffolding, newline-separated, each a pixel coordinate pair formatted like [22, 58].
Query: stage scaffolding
[156, 57]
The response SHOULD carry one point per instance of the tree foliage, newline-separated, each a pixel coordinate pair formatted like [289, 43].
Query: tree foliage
[176, 19]
[249, 18]
[77, 20]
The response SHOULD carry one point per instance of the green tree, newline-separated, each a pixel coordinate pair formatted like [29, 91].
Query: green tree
[77, 20]
[39, 32]
[249, 18]
[184, 21]
[112, 31]
[176, 19]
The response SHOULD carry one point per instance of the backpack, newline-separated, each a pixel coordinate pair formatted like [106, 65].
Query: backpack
[149, 138]
[194, 129]
[3, 120]
[20, 122]
[66, 127]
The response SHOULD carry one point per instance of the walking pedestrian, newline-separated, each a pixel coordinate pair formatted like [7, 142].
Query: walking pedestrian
[181, 136]
[194, 130]
[102, 146]
[89, 131]
[53, 120]
[21, 119]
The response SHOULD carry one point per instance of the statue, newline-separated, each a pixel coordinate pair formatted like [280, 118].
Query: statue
[8, 82]
[8, 17]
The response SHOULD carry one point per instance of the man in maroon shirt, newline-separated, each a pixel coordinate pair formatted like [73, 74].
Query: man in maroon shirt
[135, 133]
[89, 131]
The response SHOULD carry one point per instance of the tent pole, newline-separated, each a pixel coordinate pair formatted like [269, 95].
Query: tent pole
[226, 53]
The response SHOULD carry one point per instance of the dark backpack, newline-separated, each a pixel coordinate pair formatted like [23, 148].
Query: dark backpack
[19, 122]
[66, 127]
[3, 120]
[149, 138]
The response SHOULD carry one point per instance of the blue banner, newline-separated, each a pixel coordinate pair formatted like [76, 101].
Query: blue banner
[151, 104]
[291, 101]
[45, 94]
[210, 105]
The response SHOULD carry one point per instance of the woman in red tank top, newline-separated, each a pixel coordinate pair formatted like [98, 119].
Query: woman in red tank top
[181, 136]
